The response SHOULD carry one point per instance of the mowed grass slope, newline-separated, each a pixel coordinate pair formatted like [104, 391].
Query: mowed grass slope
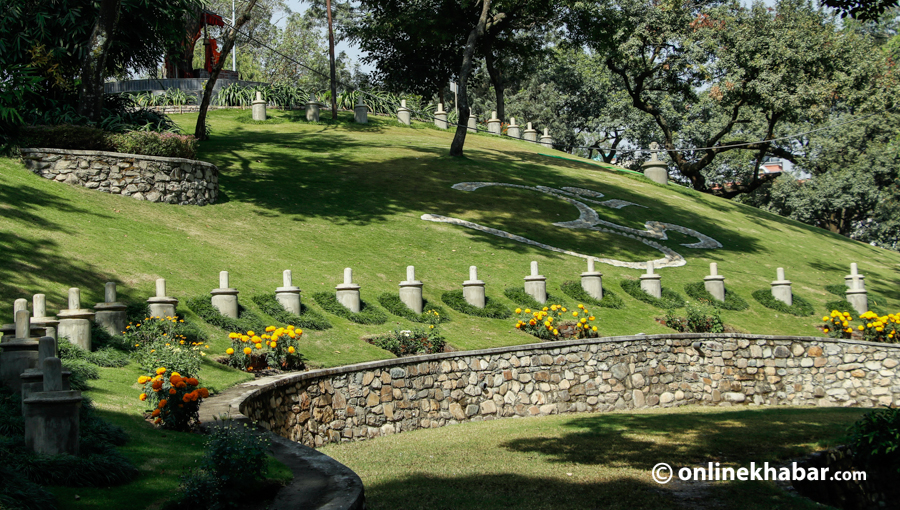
[317, 198]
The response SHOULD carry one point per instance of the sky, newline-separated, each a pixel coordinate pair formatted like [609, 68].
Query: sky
[352, 51]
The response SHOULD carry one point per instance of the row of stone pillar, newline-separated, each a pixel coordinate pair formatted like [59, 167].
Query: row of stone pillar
[313, 108]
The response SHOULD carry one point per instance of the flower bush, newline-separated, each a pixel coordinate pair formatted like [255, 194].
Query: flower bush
[873, 328]
[166, 342]
[175, 398]
[410, 342]
[701, 318]
[275, 348]
[556, 321]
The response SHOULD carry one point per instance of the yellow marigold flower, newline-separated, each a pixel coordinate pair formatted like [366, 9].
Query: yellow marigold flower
[292, 334]
[274, 345]
[532, 322]
[160, 371]
[591, 318]
[298, 331]
[251, 333]
[581, 306]
[233, 335]
[826, 330]
[245, 338]
[143, 379]
[519, 326]
[229, 351]
[564, 309]
[545, 308]
[259, 346]
[825, 319]
[555, 331]
[291, 349]
[143, 397]
[269, 329]
[518, 310]
[861, 328]
[583, 320]
[574, 314]
[547, 323]
[247, 350]
[594, 328]
[554, 307]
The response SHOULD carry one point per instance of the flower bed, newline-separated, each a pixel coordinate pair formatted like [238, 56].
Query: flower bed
[276, 348]
[555, 322]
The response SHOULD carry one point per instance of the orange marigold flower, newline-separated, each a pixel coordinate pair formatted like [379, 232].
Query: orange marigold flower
[172, 391]
[181, 384]
[186, 397]
[155, 413]
[162, 403]
[204, 393]
[192, 381]
[143, 379]
[157, 421]
[175, 379]
[157, 384]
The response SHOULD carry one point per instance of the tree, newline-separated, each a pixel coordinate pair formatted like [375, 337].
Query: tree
[90, 92]
[459, 138]
[865, 10]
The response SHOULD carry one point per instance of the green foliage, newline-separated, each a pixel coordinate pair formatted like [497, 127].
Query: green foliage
[838, 290]
[697, 290]
[411, 342]
[308, 318]
[610, 299]
[82, 372]
[433, 314]
[276, 348]
[875, 440]
[103, 357]
[247, 320]
[700, 318]
[492, 309]
[518, 296]
[669, 299]
[800, 308]
[235, 460]
[150, 143]
[166, 342]
[367, 314]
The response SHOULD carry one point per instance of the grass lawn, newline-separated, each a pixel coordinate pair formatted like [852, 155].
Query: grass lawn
[590, 461]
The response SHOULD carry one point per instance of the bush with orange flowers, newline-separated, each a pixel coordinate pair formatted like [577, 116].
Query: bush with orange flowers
[175, 399]
[274, 348]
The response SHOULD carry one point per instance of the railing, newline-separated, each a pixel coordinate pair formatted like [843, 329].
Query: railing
[161, 84]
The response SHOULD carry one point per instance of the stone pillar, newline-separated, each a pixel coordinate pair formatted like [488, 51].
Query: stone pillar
[51, 416]
[440, 117]
[781, 288]
[411, 291]
[854, 275]
[472, 124]
[19, 353]
[592, 281]
[33, 378]
[856, 293]
[288, 295]
[111, 314]
[494, 124]
[536, 284]
[513, 129]
[40, 318]
[403, 113]
[348, 292]
[546, 139]
[312, 109]
[225, 299]
[259, 107]
[530, 133]
[75, 322]
[360, 112]
[650, 282]
[473, 289]
[162, 305]
[19, 304]
[8, 331]
[715, 283]
[656, 170]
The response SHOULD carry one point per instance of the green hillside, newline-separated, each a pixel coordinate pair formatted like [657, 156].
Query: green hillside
[317, 198]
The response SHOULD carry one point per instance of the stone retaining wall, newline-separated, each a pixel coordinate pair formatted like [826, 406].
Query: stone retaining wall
[385, 397]
[151, 178]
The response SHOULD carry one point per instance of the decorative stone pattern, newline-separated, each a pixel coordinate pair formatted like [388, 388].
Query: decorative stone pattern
[385, 397]
[151, 178]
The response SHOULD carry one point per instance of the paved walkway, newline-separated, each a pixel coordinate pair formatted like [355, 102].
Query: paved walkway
[320, 482]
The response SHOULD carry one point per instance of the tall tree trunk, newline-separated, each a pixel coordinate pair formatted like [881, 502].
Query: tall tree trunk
[90, 92]
[331, 57]
[459, 139]
[230, 37]
[496, 80]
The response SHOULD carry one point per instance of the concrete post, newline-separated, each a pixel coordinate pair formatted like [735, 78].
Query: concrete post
[656, 170]
[650, 282]
[8, 331]
[536, 284]
[40, 318]
[530, 133]
[856, 293]
[348, 292]
[288, 295]
[854, 275]
[546, 139]
[472, 124]
[360, 112]
[715, 283]
[111, 314]
[33, 378]
[513, 130]
[473, 289]
[592, 280]
[403, 113]
[19, 304]
[162, 305]
[51, 416]
[440, 117]
[494, 124]
[259, 107]
[225, 299]
[75, 322]
[312, 109]
[781, 288]
[19, 353]
[411, 291]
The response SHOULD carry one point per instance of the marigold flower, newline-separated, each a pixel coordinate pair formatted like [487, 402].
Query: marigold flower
[160, 371]
[172, 391]
[155, 413]
[229, 351]
[192, 381]
[175, 379]
[564, 309]
[157, 421]
[157, 384]
[826, 330]
[143, 379]
[247, 350]
[574, 314]
[259, 346]
[251, 333]
[291, 349]
[204, 393]
[143, 397]
[556, 332]
[518, 310]
[581, 306]
[162, 403]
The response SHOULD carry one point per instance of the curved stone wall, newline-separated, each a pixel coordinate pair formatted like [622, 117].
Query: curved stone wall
[385, 397]
[151, 178]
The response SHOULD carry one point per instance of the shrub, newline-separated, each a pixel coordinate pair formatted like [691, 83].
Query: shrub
[276, 348]
[700, 318]
[103, 357]
[874, 328]
[176, 399]
[246, 320]
[151, 143]
[492, 309]
[521, 298]
[65, 136]
[308, 318]
[555, 321]
[81, 372]
[610, 299]
[697, 290]
[160, 342]
[367, 314]
[101, 339]
[800, 306]
[432, 314]
[875, 441]
[669, 299]
[411, 342]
